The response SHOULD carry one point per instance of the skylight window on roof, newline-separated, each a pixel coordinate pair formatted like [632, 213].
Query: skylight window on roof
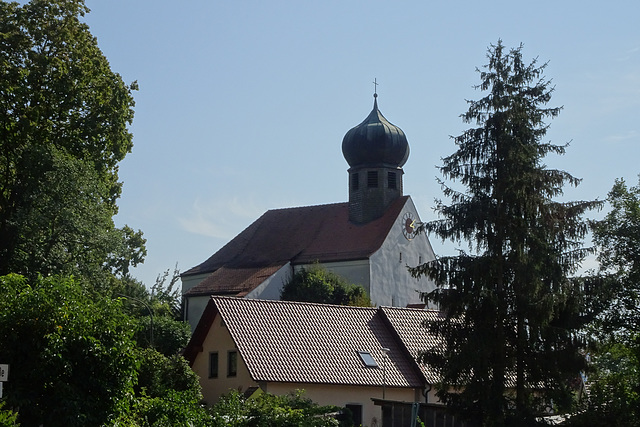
[367, 359]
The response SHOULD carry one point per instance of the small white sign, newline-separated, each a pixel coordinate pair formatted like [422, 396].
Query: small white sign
[4, 372]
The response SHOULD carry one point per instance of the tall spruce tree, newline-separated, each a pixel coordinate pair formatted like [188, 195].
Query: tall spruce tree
[511, 310]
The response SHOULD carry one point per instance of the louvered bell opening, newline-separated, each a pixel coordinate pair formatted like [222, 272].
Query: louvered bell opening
[392, 180]
[372, 179]
[355, 181]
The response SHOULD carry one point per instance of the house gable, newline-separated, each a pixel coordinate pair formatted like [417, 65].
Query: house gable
[216, 340]
[284, 346]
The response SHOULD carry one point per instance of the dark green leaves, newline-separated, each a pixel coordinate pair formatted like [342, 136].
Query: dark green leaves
[315, 284]
[63, 129]
[71, 353]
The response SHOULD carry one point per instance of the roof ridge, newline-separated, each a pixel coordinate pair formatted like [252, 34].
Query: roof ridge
[388, 307]
[307, 206]
[284, 302]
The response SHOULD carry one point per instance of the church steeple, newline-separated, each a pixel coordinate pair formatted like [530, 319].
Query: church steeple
[376, 150]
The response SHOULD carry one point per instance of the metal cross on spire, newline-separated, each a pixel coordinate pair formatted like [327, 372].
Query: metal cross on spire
[375, 87]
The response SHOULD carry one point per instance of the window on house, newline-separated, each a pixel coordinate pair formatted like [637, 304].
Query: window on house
[232, 363]
[356, 413]
[213, 365]
[372, 179]
[355, 181]
[367, 359]
[391, 180]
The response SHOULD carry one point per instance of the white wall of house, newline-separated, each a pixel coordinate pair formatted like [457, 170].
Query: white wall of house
[391, 283]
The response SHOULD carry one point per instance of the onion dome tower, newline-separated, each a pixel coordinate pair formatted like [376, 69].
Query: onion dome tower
[376, 150]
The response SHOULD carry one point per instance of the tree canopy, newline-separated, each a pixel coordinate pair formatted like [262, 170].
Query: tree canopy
[71, 352]
[614, 377]
[511, 329]
[64, 117]
[617, 237]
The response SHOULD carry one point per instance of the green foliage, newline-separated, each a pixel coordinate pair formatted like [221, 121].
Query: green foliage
[157, 313]
[618, 239]
[315, 284]
[63, 129]
[159, 374]
[72, 353]
[166, 295]
[513, 314]
[175, 408]
[271, 410]
[614, 393]
[169, 336]
[8, 418]
[614, 397]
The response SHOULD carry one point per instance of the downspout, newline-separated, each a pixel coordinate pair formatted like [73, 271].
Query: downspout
[425, 392]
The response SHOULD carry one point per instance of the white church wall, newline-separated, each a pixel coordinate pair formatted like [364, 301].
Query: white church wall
[271, 287]
[194, 307]
[189, 282]
[391, 283]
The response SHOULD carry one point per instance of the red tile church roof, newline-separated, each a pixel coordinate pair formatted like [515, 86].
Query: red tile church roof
[298, 235]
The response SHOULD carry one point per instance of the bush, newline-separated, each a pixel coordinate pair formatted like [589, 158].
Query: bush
[315, 284]
[291, 410]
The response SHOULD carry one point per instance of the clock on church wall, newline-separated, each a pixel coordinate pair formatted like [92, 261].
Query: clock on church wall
[409, 226]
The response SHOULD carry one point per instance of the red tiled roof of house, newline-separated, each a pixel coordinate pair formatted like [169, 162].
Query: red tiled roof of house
[282, 341]
[409, 325]
[302, 235]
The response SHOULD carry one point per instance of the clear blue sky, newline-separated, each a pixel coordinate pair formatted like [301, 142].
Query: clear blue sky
[243, 104]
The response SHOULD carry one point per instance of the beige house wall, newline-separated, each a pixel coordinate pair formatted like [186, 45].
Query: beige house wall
[341, 395]
[219, 340]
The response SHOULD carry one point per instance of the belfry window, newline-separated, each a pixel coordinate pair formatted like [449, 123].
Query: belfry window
[372, 179]
[391, 180]
[355, 181]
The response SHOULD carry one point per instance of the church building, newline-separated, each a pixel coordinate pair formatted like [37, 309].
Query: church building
[369, 240]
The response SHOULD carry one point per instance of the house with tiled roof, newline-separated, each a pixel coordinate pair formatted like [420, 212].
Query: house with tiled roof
[347, 356]
[369, 240]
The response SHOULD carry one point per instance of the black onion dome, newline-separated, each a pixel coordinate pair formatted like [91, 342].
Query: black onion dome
[375, 142]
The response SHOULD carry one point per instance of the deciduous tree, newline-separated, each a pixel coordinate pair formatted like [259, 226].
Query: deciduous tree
[617, 237]
[63, 129]
[614, 397]
[71, 352]
[512, 312]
